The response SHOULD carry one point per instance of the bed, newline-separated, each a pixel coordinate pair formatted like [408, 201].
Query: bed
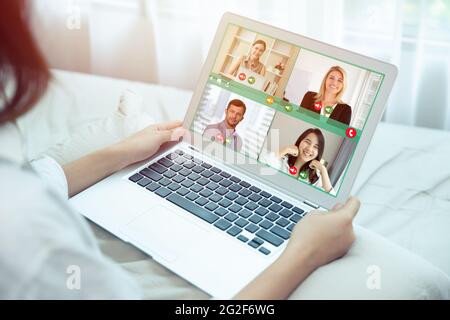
[402, 228]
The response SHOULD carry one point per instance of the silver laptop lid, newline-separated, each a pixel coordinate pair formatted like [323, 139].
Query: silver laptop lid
[306, 130]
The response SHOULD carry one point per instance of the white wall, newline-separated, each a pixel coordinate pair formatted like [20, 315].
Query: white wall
[92, 36]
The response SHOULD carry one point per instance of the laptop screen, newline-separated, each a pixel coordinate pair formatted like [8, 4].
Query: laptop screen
[291, 109]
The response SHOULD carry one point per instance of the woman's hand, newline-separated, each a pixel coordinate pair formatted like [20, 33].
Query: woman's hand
[326, 183]
[324, 236]
[317, 165]
[291, 150]
[319, 238]
[146, 142]
[86, 171]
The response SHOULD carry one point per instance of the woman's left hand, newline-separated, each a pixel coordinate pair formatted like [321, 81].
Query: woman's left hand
[146, 142]
[316, 165]
[93, 167]
[326, 183]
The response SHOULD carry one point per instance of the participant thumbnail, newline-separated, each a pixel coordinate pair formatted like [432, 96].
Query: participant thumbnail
[310, 154]
[255, 60]
[332, 89]
[235, 121]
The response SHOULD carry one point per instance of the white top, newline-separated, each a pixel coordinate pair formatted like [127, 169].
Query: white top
[282, 165]
[47, 250]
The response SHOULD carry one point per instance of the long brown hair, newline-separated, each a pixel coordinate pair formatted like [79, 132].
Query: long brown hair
[305, 167]
[24, 74]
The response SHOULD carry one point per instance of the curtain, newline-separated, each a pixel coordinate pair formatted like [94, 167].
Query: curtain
[167, 41]
[412, 34]
[105, 37]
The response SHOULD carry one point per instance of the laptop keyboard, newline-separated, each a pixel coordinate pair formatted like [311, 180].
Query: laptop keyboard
[219, 198]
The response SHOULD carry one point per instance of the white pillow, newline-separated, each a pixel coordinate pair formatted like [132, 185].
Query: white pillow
[127, 119]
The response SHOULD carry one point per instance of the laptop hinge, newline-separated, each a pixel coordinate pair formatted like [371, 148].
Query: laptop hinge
[192, 148]
[311, 204]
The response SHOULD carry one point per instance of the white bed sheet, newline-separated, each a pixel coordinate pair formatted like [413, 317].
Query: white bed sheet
[404, 186]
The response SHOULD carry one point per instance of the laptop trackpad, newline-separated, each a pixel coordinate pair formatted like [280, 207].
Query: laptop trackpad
[149, 231]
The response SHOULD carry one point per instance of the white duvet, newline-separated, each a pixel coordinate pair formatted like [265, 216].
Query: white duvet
[403, 240]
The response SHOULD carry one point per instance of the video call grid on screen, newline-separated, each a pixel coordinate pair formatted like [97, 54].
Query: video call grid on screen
[280, 91]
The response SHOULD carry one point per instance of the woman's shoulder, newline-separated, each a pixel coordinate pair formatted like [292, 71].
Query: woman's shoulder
[308, 99]
[343, 106]
[310, 94]
[342, 113]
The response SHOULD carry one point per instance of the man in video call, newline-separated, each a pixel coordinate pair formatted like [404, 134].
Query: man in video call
[225, 131]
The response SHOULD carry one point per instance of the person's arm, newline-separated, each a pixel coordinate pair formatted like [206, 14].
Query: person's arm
[235, 66]
[291, 150]
[319, 238]
[326, 183]
[86, 171]
[263, 71]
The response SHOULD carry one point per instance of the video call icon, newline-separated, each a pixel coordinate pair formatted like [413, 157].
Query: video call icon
[288, 108]
[328, 110]
[242, 76]
[350, 133]
[251, 80]
[293, 170]
[220, 137]
[303, 175]
[318, 105]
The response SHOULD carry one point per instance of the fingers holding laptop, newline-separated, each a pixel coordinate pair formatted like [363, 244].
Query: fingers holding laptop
[170, 131]
[319, 238]
[146, 142]
[86, 171]
[325, 236]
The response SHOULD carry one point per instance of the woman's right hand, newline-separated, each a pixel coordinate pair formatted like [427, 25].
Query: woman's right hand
[291, 150]
[320, 237]
[323, 236]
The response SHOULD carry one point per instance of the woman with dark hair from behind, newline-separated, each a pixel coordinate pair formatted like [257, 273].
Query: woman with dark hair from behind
[48, 251]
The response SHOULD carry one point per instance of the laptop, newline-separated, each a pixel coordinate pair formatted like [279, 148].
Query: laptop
[218, 217]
